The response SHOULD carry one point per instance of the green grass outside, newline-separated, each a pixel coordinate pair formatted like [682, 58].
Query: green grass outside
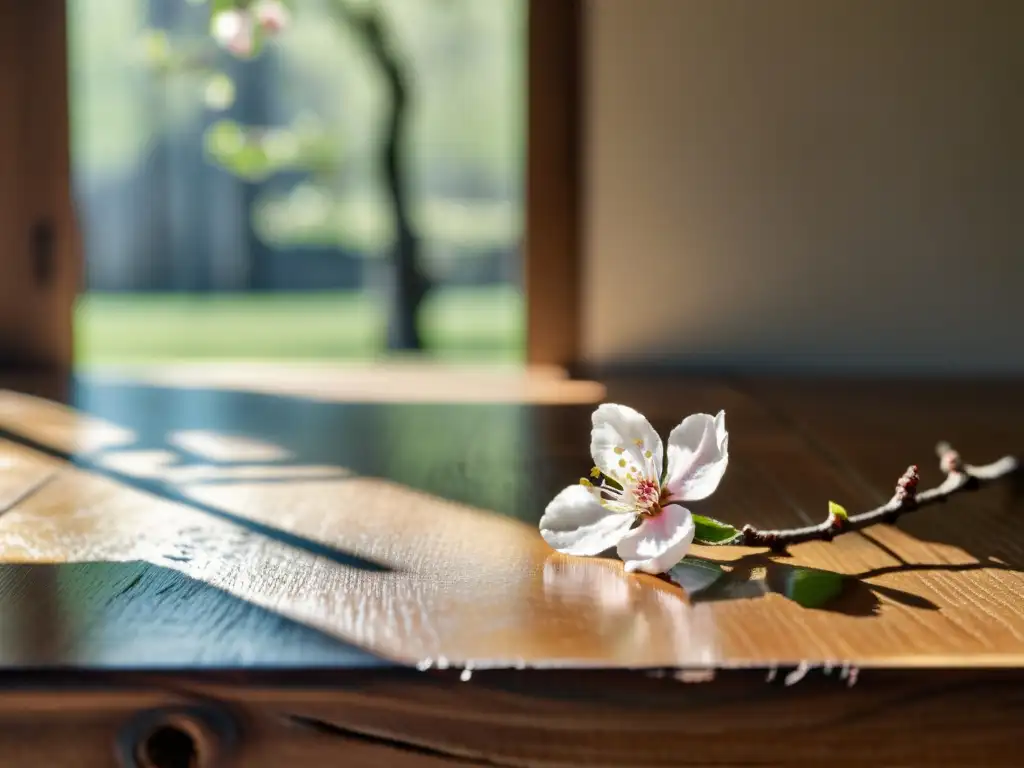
[466, 324]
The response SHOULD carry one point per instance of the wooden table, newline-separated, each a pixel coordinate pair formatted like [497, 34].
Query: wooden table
[343, 568]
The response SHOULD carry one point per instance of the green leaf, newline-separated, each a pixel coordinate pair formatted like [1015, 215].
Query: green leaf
[695, 575]
[252, 163]
[837, 510]
[711, 531]
[219, 6]
[809, 587]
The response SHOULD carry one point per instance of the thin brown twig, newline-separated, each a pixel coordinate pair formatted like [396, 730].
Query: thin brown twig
[959, 477]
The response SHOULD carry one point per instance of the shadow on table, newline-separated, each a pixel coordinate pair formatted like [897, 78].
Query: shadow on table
[506, 458]
[758, 574]
[842, 423]
[136, 615]
[487, 456]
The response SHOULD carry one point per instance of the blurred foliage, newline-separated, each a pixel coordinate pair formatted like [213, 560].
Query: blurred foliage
[310, 214]
[131, 84]
[259, 37]
[256, 154]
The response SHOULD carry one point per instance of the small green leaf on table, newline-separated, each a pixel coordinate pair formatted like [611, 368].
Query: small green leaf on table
[695, 575]
[808, 587]
[713, 532]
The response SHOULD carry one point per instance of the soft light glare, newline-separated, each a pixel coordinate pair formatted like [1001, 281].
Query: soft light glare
[219, 93]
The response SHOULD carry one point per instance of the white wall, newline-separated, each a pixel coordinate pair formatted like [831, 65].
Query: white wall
[806, 183]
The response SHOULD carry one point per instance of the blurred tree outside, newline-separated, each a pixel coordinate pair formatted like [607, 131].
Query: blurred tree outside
[308, 124]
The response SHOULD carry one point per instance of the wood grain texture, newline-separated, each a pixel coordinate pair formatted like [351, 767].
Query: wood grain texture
[532, 718]
[407, 532]
[287, 563]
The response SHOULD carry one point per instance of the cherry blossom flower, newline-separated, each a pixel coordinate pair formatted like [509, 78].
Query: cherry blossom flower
[271, 15]
[631, 482]
[233, 30]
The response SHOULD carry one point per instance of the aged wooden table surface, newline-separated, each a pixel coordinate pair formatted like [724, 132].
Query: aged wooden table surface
[353, 559]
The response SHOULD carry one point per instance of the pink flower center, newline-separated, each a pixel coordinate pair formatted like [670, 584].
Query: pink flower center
[647, 494]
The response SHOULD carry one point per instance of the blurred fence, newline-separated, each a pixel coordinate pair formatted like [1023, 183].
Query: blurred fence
[158, 215]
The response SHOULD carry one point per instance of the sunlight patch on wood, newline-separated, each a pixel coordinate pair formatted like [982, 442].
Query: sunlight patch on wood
[213, 446]
[142, 464]
[164, 465]
[391, 382]
[468, 585]
[59, 426]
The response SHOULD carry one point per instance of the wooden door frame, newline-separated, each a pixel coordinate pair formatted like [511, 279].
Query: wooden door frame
[40, 262]
[552, 258]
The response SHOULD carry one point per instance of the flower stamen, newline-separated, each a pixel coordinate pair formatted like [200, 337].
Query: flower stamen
[646, 492]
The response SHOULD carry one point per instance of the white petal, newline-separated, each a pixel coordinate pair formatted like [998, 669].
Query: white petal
[227, 25]
[659, 542]
[720, 427]
[620, 427]
[698, 454]
[575, 523]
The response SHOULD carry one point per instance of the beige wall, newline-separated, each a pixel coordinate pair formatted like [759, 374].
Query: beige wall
[806, 183]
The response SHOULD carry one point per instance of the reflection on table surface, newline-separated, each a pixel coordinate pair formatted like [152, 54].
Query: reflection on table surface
[174, 520]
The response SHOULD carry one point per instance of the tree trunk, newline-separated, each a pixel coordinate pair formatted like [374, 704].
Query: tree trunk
[409, 284]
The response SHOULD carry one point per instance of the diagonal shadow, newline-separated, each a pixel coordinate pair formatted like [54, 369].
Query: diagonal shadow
[993, 533]
[858, 596]
[28, 493]
[297, 477]
[757, 575]
[507, 458]
[137, 615]
[169, 492]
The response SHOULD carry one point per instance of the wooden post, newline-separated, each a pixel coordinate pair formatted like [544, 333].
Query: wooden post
[39, 247]
[552, 252]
